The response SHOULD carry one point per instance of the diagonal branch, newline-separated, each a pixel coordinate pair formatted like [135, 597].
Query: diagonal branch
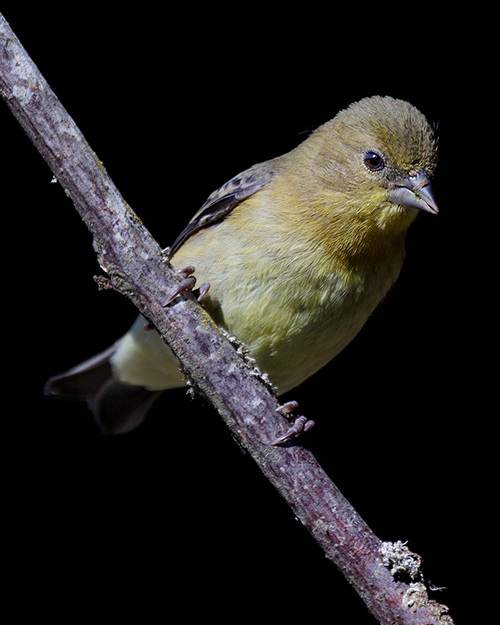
[387, 576]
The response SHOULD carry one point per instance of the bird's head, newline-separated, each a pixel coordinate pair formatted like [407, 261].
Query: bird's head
[379, 154]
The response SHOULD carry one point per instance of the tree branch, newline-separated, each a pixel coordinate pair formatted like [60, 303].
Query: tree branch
[387, 576]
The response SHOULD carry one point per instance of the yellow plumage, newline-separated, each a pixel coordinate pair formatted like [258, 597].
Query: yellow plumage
[299, 250]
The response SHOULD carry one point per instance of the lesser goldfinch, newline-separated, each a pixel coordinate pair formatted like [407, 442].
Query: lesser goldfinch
[298, 251]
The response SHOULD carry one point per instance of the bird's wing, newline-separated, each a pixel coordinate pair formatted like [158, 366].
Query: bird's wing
[221, 202]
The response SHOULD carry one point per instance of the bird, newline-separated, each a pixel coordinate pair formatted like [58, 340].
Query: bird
[298, 251]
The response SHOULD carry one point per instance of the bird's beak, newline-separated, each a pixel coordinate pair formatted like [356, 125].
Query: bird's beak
[414, 192]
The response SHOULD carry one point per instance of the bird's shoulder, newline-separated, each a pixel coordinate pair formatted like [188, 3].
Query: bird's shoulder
[222, 201]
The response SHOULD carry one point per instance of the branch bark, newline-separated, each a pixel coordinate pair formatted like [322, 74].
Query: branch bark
[387, 576]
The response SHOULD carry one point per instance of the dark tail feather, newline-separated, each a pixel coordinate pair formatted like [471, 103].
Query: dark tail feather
[118, 408]
[83, 381]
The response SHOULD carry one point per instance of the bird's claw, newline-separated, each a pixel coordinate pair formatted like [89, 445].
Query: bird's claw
[300, 426]
[186, 283]
[202, 291]
[287, 408]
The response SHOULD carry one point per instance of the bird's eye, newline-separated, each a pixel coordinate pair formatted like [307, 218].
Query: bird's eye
[374, 161]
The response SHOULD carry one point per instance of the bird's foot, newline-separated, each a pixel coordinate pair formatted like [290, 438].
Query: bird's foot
[186, 283]
[300, 425]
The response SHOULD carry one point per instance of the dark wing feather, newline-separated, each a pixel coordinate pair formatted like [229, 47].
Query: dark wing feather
[221, 202]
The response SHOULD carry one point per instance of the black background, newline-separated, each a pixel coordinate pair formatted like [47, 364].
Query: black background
[173, 518]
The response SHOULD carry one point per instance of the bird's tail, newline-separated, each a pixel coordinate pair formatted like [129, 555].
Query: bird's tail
[118, 408]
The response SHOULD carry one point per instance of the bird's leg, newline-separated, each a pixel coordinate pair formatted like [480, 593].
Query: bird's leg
[186, 283]
[300, 425]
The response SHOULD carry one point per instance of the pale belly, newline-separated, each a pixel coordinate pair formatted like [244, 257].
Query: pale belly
[293, 323]
[291, 331]
[289, 341]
